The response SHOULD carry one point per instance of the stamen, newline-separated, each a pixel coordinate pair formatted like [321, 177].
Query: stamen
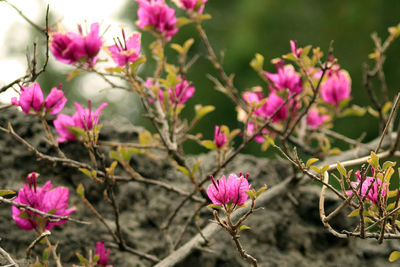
[213, 181]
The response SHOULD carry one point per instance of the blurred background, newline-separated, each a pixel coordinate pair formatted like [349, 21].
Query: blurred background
[238, 28]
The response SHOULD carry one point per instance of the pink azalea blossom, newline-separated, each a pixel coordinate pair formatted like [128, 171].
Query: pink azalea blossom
[314, 119]
[83, 118]
[219, 137]
[181, 92]
[223, 191]
[71, 47]
[296, 51]
[103, 254]
[195, 5]
[156, 14]
[126, 51]
[30, 97]
[46, 199]
[285, 78]
[271, 106]
[251, 130]
[373, 192]
[336, 87]
[254, 98]
[55, 101]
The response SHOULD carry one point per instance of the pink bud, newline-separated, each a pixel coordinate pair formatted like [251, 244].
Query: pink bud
[373, 192]
[45, 199]
[156, 14]
[273, 105]
[221, 192]
[219, 137]
[296, 51]
[181, 92]
[336, 87]
[103, 254]
[55, 101]
[195, 5]
[314, 120]
[85, 118]
[30, 97]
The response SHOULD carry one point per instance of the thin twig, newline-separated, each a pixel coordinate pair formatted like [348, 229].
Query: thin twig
[37, 240]
[9, 258]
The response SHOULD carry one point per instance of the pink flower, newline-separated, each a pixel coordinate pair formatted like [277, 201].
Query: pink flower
[61, 123]
[222, 192]
[71, 47]
[44, 199]
[195, 5]
[314, 120]
[181, 92]
[83, 118]
[336, 87]
[296, 51]
[156, 14]
[286, 78]
[251, 130]
[55, 101]
[373, 192]
[254, 98]
[103, 255]
[30, 97]
[272, 104]
[219, 137]
[126, 51]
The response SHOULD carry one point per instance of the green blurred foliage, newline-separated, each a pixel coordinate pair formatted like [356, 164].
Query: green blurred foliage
[241, 28]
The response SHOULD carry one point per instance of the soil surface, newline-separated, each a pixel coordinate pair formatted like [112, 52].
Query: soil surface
[287, 232]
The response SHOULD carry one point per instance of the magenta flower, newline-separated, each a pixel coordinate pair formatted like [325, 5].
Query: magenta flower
[67, 48]
[181, 92]
[103, 254]
[373, 192]
[219, 137]
[314, 119]
[83, 118]
[126, 51]
[271, 106]
[195, 5]
[157, 15]
[55, 101]
[44, 199]
[336, 87]
[222, 192]
[250, 130]
[286, 78]
[72, 47]
[254, 98]
[296, 51]
[30, 97]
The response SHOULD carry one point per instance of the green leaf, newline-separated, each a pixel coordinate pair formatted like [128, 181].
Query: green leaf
[244, 227]
[258, 62]
[183, 21]
[392, 193]
[24, 215]
[394, 256]
[373, 112]
[188, 44]
[262, 189]
[374, 160]
[214, 206]
[251, 193]
[305, 51]
[182, 170]
[46, 254]
[202, 111]
[115, 70]
[73, 74]
[80, 190]
[386, 107]
[204, 17]
[134, 65]
[341, 169]
[354, 110]
[77, 131]
[82, 259]
[110, 170]
[209, 144]
[96, 258]
[310, 162]
[324, 169]
[315, 168]
[354, 213]
[177, 48]
[267, 143]
[196, 166]
[5, 192]
[391, 206]
[290, 56]
[388, 164]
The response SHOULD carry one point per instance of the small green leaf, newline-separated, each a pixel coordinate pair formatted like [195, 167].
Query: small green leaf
[209, 144]
[251, 193]
[204, 17]
[177, 48]
[82, 259]
[290, 57]
[315, 168]
[391, 206]
[262, 189]
[134, 65]
[46, 254]
[388, 164]
[258, 62]
[96, 258]
[386, 107]
[354, 213]
[183, 21]
[5, 192]
[188, 44]
[267, 143]
[182, 170]
[373, 112]
[214, 206]
[394, 256]
[244, 227]
[310, 162]
[115, 70]
[341, 169]
[196, 166]
[80, 190]
[354, 110]
[202, 111]
[24, 215]
[77, 131]
[73, 74]
[392, 193]
[324, 169]
[374, 160]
